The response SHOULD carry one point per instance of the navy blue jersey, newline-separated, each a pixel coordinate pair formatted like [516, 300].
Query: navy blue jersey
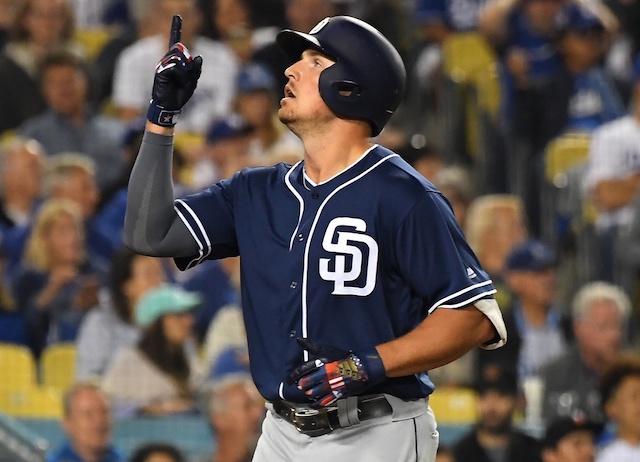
[354, 262]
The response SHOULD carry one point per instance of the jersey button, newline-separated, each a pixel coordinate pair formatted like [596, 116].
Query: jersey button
[315, 195]
[292, 333]
[301, 237]
[293, 285]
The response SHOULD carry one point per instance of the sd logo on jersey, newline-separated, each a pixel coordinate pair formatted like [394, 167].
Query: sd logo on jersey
[341, 243]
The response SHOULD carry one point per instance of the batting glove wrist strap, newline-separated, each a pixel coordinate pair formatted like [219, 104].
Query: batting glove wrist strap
[161, 116]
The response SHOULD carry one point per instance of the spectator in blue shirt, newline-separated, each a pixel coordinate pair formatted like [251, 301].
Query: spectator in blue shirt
[87, 425]
[592, 95]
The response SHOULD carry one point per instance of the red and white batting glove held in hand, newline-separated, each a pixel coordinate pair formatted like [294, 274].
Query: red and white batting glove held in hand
[336, 373]
[175, 80]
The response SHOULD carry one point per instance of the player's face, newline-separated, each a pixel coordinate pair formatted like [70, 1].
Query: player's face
[302, 109]
[575, 447]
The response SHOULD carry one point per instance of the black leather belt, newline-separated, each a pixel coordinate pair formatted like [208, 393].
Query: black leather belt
[344, 413]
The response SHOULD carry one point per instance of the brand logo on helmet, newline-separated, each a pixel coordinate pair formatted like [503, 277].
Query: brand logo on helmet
[318, 27]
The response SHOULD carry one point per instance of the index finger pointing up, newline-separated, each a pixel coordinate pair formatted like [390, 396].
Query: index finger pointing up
[176, 30]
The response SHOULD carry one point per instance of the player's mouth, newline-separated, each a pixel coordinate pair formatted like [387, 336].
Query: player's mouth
[288, 93]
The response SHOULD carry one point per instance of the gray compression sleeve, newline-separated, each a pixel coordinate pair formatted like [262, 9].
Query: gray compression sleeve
[151, 226]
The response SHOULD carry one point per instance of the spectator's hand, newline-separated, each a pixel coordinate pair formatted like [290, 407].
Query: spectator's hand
[62, 275]
[175, 80]
[86, 296]
[518, 65]
[336, 373]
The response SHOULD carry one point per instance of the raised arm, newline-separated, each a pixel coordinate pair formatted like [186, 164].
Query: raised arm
[151, 225]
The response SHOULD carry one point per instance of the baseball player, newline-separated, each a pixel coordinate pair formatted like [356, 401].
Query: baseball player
[356, 278]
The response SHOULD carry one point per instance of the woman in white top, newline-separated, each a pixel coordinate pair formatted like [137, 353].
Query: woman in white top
[160, 375]
[111, 326]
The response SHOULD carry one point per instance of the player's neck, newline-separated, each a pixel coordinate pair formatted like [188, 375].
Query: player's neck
[327, 156]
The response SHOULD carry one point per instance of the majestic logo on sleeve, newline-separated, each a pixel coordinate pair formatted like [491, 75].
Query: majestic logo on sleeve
[356, 255]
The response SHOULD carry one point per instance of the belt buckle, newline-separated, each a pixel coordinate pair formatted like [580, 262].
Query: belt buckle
[312, 422]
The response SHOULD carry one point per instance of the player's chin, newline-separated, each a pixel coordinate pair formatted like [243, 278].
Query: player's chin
[285, 116]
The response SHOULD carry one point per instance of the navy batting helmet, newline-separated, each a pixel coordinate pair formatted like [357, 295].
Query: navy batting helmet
[368, 79]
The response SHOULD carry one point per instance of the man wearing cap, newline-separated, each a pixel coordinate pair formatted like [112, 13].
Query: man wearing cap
[494, 439]
[539, 333]
[257, 102]
[570, 439]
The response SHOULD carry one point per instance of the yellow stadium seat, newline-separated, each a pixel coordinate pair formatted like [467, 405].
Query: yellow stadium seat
[465, 56]
[93, 40]
[470, 63]
[454, 405]
[58, 366]
[17, 367]
[32, 402]
[564, 152]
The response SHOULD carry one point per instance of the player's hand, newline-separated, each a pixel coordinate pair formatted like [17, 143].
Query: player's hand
[336, 373]
[175, 79]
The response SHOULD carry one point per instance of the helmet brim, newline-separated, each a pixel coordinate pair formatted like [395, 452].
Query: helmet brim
[294, 43]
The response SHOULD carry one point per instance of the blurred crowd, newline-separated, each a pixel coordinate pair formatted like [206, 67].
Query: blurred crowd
[522, 112]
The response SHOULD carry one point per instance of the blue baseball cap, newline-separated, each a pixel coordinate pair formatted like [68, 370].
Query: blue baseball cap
[531, 255]
[255, 77]
[578, 18]
[228, 128]
[232, 361]
[164, 299]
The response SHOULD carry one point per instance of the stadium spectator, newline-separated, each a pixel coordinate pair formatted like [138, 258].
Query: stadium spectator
[524, 34]
[39, 25]
[160, 375]
[57, 283]
[232, 20]
[600, 313]
[300, 15]
[235, 414]
[157, 452]
[227, 145]
[570, 439]
[134, 71]
[22, 172]
[620, 396]
[110, 326]
[256, 102]
[495, 223]
[69, 124]
[494, 437]
[70, 176]
[583, 92]
[423, 156]
[88, 427]
[612, 181]
[538, 331]
[456, 183]
[143, 23]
